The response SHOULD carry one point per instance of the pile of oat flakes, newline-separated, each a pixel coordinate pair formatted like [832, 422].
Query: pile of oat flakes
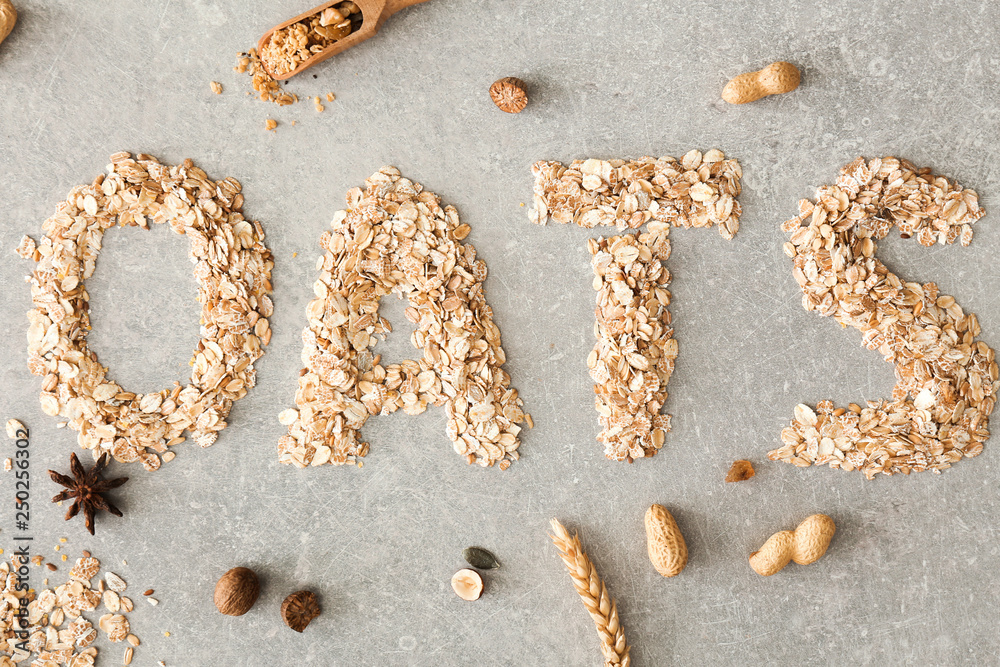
[59, 634]
[947, 380]
[635, 351]
[232, 267]
[396, 237]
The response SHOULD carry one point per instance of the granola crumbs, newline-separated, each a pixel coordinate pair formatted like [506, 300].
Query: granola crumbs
[270, 124]
[947, 380]
[292, 45]
[396, 237]
[216, 87]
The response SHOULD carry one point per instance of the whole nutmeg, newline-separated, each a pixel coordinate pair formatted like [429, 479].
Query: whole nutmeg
[510, 94]
[299, 609]
[236, 591]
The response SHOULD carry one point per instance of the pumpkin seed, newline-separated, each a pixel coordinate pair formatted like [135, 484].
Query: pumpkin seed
[480, 558]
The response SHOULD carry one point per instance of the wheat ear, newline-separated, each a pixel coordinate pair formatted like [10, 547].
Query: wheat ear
[595, 596]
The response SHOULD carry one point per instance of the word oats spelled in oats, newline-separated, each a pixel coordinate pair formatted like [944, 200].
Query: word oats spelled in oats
[233, 270]
[396, 237]
[946, 379]
[635, 351]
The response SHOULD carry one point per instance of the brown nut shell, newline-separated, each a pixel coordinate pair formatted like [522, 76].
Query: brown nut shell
[776, 78]
[8, 17]
[299, 609]
[237, 591]
[666, 546]
[812, 538]
[806, 544]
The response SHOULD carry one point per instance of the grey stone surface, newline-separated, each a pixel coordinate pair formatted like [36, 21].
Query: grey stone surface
[911, 577]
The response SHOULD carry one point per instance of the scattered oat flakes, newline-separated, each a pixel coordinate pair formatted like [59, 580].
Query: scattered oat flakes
[115, 625]
[396, 237]
[26, 248]
[319, 105]
[50, 637]
[216, 87]
[947, 381]
[232, 267]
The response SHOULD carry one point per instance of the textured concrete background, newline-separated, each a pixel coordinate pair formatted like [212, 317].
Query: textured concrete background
[911, 576]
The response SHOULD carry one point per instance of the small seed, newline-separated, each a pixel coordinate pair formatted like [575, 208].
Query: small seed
[51, 567]
[467, 584]
[149, 592]
[133, 640]
[128, 655]
[480, 558]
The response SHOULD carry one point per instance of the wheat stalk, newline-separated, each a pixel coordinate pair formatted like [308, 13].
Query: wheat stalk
[595, 596]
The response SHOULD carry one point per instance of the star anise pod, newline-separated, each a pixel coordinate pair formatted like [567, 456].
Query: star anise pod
[87, 489]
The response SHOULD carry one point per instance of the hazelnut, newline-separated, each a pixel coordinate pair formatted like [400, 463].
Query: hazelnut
[236, 591]
[468, 584]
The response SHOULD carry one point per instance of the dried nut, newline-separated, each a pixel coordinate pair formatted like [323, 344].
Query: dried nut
[806, 544]
[740, 471]
[509, 94]
[236, 591]
[8, 17]
[776, 78]
[480, 558]
[664, 542]
[468, 584]
[299, 609]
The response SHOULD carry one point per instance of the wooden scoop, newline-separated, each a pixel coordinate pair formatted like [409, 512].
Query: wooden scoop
[373, 12]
